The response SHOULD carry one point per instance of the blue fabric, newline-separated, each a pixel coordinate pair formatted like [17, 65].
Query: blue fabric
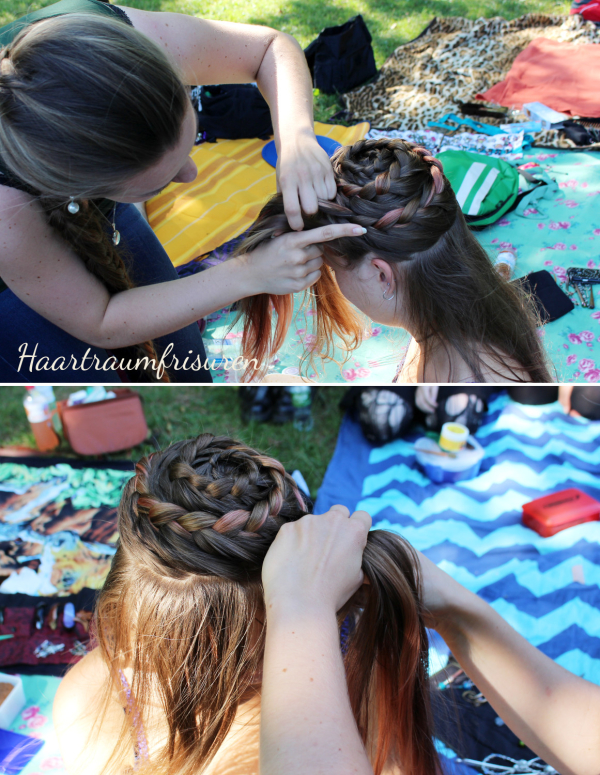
[473, 529]
[147, 263]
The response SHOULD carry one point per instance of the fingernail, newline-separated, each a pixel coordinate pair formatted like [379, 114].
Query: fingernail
[359, 230]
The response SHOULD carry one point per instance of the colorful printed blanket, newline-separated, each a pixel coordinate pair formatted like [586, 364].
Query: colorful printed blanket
[58, 531]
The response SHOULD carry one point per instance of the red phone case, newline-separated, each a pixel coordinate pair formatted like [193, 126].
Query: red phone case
[553, 513]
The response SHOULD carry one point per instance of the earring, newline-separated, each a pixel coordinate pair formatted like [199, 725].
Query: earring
[388, 298]
[73, 206]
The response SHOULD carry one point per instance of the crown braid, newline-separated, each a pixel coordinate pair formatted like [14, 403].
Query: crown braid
[387, 184]
[209, 505]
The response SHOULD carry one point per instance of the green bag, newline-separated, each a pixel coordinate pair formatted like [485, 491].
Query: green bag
[486, 187]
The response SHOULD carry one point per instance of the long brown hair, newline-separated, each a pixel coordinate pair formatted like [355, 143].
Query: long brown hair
[86, 103]
[451, 293]
[184, 592]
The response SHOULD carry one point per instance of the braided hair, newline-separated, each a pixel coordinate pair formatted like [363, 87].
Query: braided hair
[71, 125]
[214, 506]
[451, 293]
[184, 592]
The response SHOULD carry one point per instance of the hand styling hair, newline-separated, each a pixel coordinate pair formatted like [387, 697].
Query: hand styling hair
[86, 103]
[184, 591]
[451, 293]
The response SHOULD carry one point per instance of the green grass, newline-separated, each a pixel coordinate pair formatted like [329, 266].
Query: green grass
[391, 22]
[175, 413]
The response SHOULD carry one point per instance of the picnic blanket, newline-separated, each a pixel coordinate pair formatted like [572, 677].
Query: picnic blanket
[453, 60]
[561, 75]
[473, 529]
[58, 532]
[35, 720]
[233, 184]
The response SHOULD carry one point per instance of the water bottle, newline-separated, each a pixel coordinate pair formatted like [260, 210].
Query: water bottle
[301, 401]
[46, 394]
[40, 419]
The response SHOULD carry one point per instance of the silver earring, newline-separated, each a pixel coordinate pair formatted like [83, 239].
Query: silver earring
[388, 298]
[73, 206]
[116, 237]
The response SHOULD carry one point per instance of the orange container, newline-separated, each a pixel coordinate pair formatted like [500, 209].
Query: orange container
[105, 426]
[566, 508]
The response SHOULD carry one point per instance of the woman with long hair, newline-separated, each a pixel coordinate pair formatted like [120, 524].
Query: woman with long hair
[223, 583]
[95, 116]
[418, 266]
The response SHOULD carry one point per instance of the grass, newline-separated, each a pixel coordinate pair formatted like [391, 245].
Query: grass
[175, 413]
[391, 22]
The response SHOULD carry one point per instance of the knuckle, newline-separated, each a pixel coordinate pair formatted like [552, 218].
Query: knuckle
[327, 232]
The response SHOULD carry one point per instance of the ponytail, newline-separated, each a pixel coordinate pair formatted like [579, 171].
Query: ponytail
[387, 661]
[335, 316]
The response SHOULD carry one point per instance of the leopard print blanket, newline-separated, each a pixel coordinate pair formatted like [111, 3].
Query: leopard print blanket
[451, 61]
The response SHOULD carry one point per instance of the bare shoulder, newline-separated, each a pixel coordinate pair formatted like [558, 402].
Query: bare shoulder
[86, 744]
[22, 227]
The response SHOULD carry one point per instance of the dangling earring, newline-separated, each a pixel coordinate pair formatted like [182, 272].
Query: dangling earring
[73, 206]
[388, 298]
[116, 237]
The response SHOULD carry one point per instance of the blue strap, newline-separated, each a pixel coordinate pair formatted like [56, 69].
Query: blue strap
[485, 129]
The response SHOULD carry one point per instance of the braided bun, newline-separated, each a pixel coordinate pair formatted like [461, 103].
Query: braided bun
[209, 505]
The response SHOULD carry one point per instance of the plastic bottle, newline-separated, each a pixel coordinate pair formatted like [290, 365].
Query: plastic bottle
[46, 393]
[40, 418]
[302, 400]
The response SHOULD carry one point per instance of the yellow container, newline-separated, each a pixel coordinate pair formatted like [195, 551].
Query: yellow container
[453, 437]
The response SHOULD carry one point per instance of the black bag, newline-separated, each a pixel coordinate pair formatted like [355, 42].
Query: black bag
[341, 58]
[231, 112]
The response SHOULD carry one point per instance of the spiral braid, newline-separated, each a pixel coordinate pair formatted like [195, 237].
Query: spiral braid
[388, 185]
[219, 501]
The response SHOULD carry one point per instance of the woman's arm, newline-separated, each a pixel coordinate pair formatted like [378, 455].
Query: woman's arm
[554, 712]
[45, 274]
[307, 725]
[223, 52]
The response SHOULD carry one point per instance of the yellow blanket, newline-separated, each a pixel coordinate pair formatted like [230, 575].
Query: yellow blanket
[233, 183]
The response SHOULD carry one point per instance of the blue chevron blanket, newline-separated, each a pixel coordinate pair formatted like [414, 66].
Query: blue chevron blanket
[473, 529]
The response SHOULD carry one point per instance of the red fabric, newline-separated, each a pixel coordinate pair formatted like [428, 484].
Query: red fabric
[589, 11]
[562, 76]
[20, 649]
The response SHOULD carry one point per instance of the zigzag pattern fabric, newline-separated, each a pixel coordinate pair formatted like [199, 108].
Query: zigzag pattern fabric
[473, 529]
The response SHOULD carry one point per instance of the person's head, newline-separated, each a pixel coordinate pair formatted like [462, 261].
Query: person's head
[183, 601]
[91, 108]
[418, 266]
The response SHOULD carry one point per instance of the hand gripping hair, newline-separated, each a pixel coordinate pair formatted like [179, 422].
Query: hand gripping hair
[451, 293]
[184, 594]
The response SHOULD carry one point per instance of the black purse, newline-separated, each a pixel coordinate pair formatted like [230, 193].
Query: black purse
[341, 58]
